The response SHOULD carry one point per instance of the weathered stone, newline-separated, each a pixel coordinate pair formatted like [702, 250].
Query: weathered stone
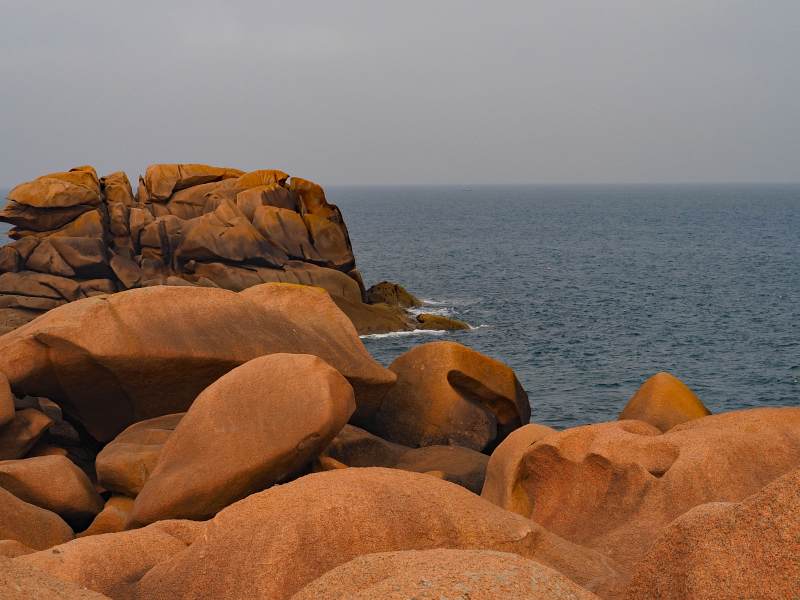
[664, 401]
[126, 462]
[448, 394]
[149, 352]
[161, 180]
[439, 322]
[22, 432]
[502, 484]
[718, 550]
[113, 518]
[258, 425]
[272, 544]
[439, 574]
[23, 582]
[55, 484]
[392, 294]
[6, 401]
[30, 525]
[13, 548]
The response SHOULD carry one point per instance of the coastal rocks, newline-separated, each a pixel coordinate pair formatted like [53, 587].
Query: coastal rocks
[370, 319]
[258, 425]
[439, 322]
[151, 351]
[110, 563]
[354, 447]
[126, 462]
[436, 574]
[23, 582]
[502, 485]
[664, 401]
[114, 517]
[448, 394]
[30, 525]
[614, 486]
[53, 483]
[272, 544]
[728, 549]
[392, 294]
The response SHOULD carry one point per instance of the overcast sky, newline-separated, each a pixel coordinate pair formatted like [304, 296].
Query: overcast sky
[431, 91]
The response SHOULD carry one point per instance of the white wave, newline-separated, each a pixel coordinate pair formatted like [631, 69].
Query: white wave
[393, 334]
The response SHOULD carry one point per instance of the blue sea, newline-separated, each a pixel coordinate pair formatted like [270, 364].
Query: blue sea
[588, 290]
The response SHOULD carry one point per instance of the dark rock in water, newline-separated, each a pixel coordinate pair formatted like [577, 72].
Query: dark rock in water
[429, 321]
[392, 294]
[374, 318]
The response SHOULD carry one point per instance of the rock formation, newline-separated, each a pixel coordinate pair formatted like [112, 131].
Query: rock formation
[664, 401]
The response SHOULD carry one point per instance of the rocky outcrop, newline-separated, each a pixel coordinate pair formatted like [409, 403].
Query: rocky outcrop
[614, 486]
[392, 294]
[256, 426]
[437, 574]
[728, 550]
[274, 543]
[664, 401]
[448, 394]
[111, 361]
[355, 447]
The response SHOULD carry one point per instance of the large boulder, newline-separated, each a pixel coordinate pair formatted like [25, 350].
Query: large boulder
[614, 486]
[393, 294]
[272, 544]
[23, 582]
[54, 483]
[114, 360]
[438, 574]
[722, 550]
[126, 462]
[447, 393]
[30, 525]
[258, 425]
[111, 563]
[502, 483]
[664, 401]
[355, 447]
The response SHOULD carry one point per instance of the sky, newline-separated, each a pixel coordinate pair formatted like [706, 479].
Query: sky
[433, 92]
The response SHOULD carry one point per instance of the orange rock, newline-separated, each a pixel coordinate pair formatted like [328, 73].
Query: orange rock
[20, 434]
[614, 486]
[22, 582]
[117, 189]
[374, 318]
[272, 544]
[664, 401]
[447, 393]
[30, 525]
[260, 178]
[13, 548]
[287, 230]
[126, 462]
[110, 563]
[355, 447]
[6, 401]
[161, 180]
[258, 425]
[113, 518]
[721, 550]
[502, 485]
[437, 574]
[57, 190]
[42, 219]
[53, 483]
[392, 294]
[138, 354]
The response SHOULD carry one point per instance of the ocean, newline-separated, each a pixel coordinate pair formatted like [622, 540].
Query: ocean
[588, 290]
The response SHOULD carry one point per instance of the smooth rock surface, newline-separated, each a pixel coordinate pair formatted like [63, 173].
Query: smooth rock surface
[55, 484]
[664, 401]
[30, 525]
[114, 517]
[23, 582]
[22, 432]
[442, 574]
[126, 462]
[256, 426]
[273, 543]
[150, 352]
[447, 393]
